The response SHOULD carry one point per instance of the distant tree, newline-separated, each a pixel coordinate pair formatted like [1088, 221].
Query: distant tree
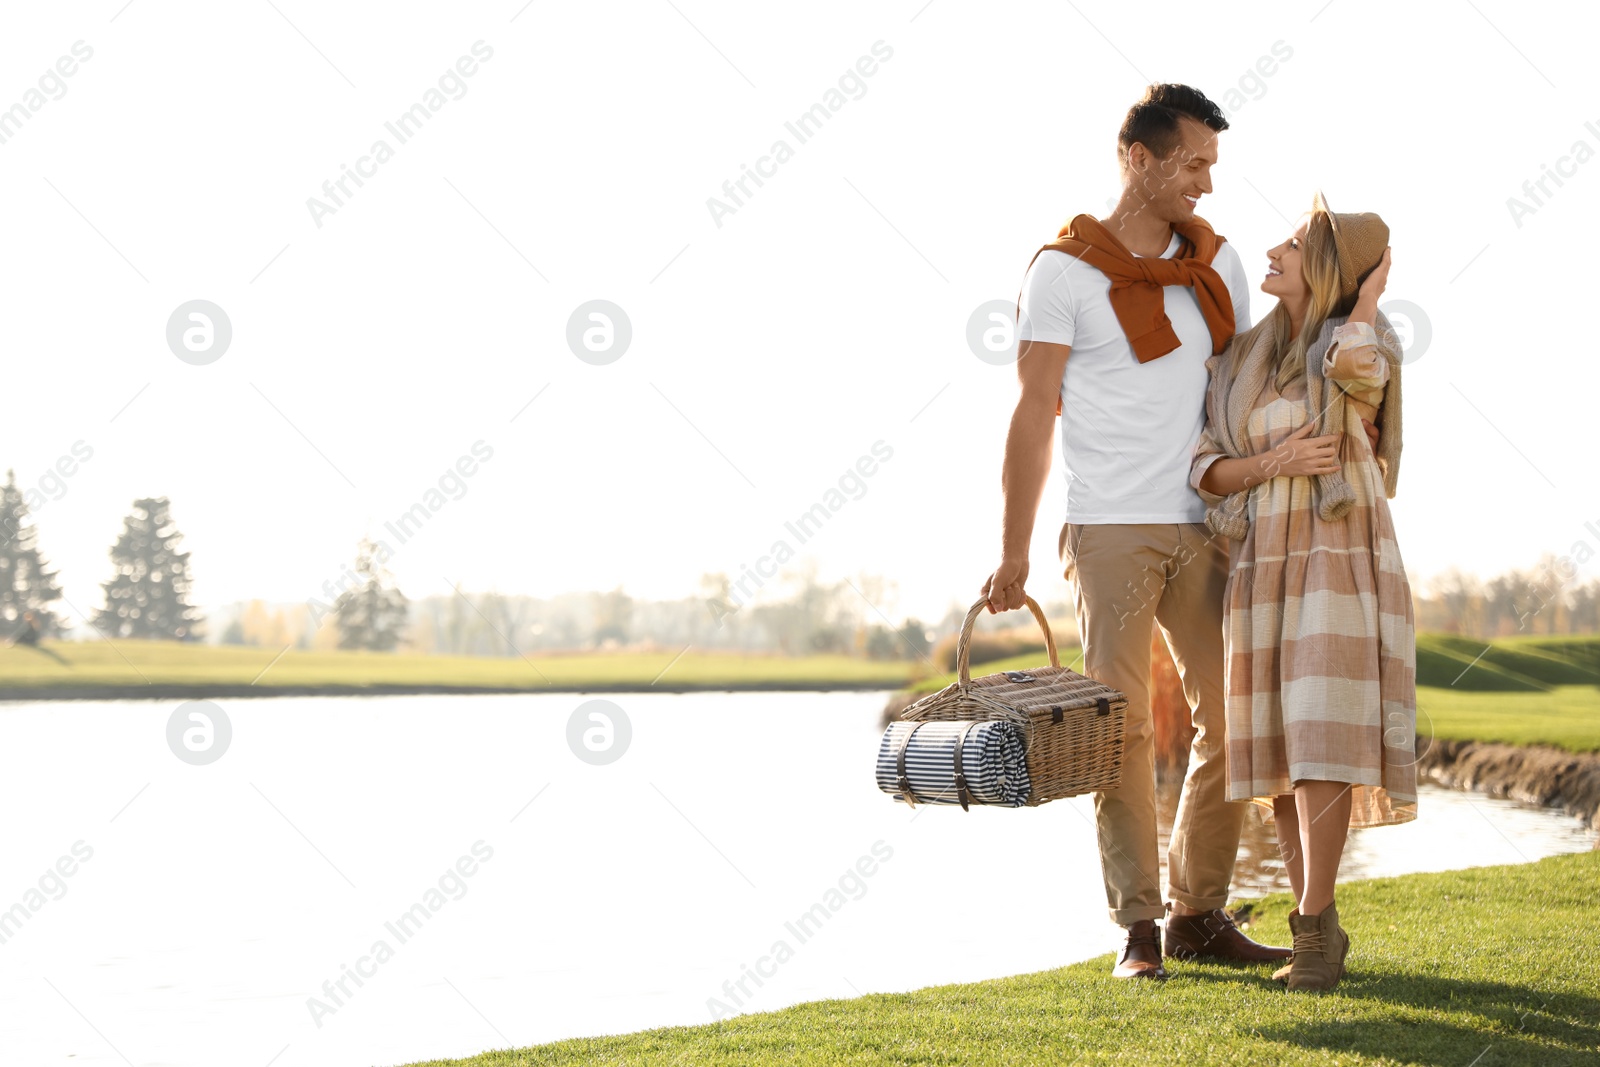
[371, 616]
[1504, 598]
[254, 623]
[467, 624]
[565, 629]
[828, 639]
[879, 642]
[264, 626]
[423, 637]
[613, 613]
[811, 620]
[321, 638]
[1585, 614]
[1550, 594]
[721, 611]
[25, 585]
[913, 640]
[147, 597]
[910, 641]
[1460, 594]
[513, 621]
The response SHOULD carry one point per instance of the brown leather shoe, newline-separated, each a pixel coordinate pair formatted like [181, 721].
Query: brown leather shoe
[1215, 936]
[1141, 956]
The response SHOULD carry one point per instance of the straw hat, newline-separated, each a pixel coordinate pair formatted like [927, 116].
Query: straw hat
[1359, 239]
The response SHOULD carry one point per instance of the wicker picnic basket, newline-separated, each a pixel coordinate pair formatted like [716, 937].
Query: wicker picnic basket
[1073, 724]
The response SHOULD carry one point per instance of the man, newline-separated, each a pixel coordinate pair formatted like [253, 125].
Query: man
[1132, 404]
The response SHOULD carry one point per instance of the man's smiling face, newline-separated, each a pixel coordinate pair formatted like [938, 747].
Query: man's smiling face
[1171, 188]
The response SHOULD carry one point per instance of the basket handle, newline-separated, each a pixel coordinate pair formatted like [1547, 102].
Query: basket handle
[963, 643]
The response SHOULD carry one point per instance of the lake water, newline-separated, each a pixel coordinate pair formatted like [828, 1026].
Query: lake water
[547, 897]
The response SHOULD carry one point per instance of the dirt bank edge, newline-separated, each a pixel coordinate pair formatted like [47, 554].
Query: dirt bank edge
[1532, 774]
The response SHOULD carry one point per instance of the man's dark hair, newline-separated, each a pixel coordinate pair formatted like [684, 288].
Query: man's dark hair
[1156, 120]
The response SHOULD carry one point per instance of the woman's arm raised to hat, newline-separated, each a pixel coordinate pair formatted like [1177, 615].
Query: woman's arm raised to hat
[1356, 360]
[1366, 309]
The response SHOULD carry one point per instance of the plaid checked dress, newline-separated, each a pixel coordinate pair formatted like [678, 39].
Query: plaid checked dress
[1319, 633]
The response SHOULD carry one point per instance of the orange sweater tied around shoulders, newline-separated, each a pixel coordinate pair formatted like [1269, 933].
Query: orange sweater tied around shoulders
[1136, 283]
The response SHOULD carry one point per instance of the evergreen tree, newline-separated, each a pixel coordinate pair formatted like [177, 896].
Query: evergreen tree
[373, 614]
[26, 587]
[148, 596]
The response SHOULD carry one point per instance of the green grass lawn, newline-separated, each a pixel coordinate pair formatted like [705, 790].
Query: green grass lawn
[1583, 649]
[1534, 662]
[1567, 716]
[129, 664]
[1479, 968]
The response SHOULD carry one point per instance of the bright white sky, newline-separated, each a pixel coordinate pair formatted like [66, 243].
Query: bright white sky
[827, 313]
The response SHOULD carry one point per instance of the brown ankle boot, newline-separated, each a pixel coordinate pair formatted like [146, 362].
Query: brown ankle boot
[1141, 956]
[1282, 973]
[1320, 947]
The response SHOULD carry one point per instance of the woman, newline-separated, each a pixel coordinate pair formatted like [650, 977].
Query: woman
[1319, 634]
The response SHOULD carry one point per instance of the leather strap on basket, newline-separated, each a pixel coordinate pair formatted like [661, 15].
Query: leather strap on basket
[958, 760]
[962, 792]
[964, 642]
[900, 765]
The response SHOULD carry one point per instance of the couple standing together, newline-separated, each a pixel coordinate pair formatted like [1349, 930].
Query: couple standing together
[1228, 483]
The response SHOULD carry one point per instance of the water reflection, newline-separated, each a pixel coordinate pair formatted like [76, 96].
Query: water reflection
[208, 918]
[1259, 869]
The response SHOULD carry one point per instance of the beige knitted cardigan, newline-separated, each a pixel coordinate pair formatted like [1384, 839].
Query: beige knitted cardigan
[1232, 394]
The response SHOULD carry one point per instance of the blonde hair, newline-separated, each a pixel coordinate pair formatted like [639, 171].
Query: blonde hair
[1319, 263]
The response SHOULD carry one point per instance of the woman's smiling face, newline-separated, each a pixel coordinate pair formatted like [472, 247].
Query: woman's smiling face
[1285, 278]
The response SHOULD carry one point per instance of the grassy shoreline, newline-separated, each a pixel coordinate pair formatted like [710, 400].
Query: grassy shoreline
[167, 669]
[1519, 691]
[219, 691]
[1477, 967]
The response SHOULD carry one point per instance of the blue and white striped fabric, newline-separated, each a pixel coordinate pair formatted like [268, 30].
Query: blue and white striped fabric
[994, 757]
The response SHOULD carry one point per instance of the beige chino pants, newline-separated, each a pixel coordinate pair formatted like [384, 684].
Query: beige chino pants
[1176, 574]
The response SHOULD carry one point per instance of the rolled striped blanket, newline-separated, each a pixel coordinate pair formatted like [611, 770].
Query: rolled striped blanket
[994, 756]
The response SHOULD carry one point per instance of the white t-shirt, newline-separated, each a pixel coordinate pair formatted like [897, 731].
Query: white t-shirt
[1128, 429]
